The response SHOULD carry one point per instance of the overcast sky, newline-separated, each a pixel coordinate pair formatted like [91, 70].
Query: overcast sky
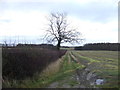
[25, 20]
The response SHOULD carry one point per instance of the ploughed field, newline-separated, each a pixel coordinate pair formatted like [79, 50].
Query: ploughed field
[75, 69]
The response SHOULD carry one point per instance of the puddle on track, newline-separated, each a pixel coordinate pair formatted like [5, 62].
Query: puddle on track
[88, 78]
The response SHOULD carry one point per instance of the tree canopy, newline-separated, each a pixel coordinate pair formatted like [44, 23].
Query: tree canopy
[59, 30]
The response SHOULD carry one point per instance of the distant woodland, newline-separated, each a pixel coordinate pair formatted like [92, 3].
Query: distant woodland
[100, 46]
[89, 46]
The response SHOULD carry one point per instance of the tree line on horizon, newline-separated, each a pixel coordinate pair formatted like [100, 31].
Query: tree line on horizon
[89, 46]
[100, 46]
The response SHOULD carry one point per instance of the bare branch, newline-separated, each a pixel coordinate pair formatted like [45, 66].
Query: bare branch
[58, 30]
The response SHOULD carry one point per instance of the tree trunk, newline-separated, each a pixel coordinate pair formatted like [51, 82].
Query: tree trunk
[58, 45]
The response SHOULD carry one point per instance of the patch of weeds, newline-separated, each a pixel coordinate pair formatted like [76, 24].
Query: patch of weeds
[73, 83]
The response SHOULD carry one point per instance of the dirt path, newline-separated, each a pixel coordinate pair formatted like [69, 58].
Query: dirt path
[82, 78]
[86, 77]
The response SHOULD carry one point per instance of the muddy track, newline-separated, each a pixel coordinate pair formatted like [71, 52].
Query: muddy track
[86, 77]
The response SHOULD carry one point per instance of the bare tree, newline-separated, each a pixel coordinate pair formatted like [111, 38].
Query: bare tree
[59, 30]
[5, 43]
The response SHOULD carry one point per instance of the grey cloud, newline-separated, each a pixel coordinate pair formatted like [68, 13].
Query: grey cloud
[97, 12]
[93, 11]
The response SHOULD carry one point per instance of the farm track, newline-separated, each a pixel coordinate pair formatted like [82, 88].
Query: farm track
[85, 77]
[102, 64]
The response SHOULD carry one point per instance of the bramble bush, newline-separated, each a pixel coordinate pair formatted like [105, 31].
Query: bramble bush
[19, 63]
